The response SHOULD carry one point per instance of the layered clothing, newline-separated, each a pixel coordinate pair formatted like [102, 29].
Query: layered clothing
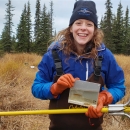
[81, 67]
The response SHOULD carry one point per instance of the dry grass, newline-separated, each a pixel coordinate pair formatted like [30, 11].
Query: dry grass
[120, 122]
[16, 78]
[15, 93]
[124, 62]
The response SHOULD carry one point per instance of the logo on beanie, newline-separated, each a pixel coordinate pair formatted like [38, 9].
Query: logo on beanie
[84, 11]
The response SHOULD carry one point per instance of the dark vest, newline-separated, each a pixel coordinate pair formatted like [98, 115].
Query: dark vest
[73, 121]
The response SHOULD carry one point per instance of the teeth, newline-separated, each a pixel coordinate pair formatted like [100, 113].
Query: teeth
[81, 34]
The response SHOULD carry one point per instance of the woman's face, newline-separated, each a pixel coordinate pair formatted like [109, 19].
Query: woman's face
[82, 31]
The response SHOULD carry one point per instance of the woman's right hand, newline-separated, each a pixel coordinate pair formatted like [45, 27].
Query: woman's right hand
[65, 81]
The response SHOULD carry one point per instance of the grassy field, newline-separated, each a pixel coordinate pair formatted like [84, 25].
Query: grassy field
[16, 78]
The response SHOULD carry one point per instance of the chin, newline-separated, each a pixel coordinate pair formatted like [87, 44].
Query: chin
[82, 44]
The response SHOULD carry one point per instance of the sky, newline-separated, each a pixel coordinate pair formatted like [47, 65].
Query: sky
[62, 11]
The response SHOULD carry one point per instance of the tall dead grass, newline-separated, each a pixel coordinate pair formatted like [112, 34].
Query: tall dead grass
[124, 62]
[120, 122]
[16, 77]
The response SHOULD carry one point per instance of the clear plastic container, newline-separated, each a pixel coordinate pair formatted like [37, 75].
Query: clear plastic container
[84, 93]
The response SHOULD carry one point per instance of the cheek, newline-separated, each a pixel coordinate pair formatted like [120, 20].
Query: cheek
[92, 32]
[74, 29]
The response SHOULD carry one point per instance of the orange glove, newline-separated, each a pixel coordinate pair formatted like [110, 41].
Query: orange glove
[104, 99]
[64, 82]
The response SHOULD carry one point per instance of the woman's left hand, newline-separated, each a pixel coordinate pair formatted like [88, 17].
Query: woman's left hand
[104, 98]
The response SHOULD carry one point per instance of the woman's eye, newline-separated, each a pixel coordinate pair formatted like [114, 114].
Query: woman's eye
[89, 24]
[78, 23]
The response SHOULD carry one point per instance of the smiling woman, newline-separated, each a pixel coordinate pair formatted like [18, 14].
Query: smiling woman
[82, 31]
[78, 53]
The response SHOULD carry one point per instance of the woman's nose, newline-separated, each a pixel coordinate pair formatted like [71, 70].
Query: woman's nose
[83, 26]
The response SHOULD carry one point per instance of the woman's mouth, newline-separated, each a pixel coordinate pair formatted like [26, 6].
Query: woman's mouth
[82, 34]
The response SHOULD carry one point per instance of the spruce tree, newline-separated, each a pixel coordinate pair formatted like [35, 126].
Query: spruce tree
[126, 44]
[45, 31]
[29, 28]
[21, 35]
[4, 40]
[114, 34]
[118, 30]
[106, 24]
[7, 31]
[51, 18]
[13, 42]
[37, 32]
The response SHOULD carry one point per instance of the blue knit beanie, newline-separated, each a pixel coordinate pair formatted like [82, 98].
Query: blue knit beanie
[84, 10]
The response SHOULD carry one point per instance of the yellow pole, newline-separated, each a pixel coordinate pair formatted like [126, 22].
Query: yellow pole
[55, 111]
[126, 109]
[35, 112]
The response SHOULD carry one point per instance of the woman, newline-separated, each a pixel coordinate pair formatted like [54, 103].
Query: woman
[78, 46]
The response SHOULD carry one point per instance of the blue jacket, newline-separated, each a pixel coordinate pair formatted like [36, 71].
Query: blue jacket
[111, 72]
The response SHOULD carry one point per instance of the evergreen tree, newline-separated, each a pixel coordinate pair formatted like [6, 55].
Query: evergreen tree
[37, 32]
[118, 30]
[21, 45]
[13, 42]
[29, 28]
[114, 34]
[126, 45]
[45, 31]
[51, 18]
[4, 37]
[7, 31]
[106, 24]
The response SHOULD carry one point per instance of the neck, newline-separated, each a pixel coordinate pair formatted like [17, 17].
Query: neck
[80, 49]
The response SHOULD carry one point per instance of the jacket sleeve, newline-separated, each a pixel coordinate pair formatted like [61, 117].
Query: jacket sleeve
[44, 78]
[115, 79]
[117, 90]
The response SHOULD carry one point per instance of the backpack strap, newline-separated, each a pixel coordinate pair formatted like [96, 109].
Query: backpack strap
[96, 75]
[58, 66]
[97, 67]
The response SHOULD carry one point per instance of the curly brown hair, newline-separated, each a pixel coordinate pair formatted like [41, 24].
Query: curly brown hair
[67, 42]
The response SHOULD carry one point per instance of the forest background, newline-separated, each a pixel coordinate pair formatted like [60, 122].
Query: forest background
[36, 36]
